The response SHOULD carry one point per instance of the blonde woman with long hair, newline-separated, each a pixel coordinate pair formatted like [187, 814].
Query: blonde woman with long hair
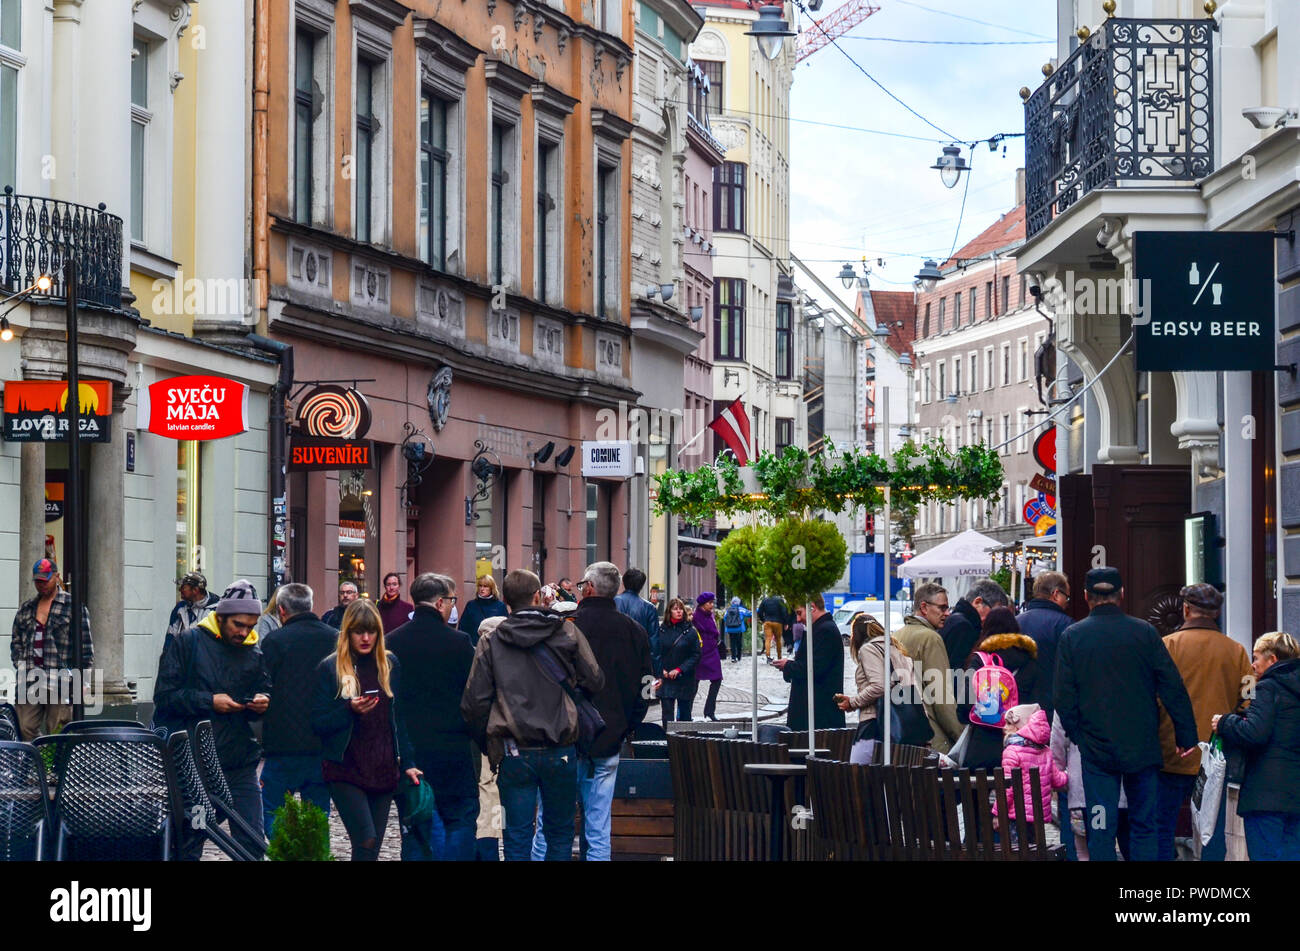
[356, 714]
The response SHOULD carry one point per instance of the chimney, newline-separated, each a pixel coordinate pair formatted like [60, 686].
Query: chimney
[1020, 187]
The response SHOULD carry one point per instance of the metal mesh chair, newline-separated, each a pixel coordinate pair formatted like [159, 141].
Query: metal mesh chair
[9, 729]
[25, 814]
[200, 814]
[89, 726]
[117, 797]
[214, 781]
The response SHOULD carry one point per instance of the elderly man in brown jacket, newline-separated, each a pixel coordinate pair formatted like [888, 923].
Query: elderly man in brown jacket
[1215, 669]
[919, 637]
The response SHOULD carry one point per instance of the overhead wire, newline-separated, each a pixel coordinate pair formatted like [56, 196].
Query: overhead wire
[958, 16]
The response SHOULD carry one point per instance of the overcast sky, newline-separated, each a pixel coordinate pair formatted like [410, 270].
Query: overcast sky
[856, 193]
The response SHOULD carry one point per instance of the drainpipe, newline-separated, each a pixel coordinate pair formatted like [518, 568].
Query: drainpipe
[260, 221]
[276, 432]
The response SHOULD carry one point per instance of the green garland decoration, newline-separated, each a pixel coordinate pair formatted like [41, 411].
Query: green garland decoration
[796, 482]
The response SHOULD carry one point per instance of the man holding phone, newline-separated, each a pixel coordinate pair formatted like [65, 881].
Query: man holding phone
[215, 671]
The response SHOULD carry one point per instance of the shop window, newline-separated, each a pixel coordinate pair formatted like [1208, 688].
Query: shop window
[359, 531]
[598, 503]
[189, 553]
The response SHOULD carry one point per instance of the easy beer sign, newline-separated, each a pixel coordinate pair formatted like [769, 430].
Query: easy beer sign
[195, 407]
[1207, 300]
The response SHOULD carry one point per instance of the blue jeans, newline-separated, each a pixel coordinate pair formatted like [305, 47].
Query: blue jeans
[1067, 832]
[1101, 814]
[552, 773]
[300, 773]
[1272, 836]
[1173, 790]
[596, 792]
[454, 780]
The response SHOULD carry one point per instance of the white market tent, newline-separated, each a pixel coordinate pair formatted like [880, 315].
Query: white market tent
[966, 555]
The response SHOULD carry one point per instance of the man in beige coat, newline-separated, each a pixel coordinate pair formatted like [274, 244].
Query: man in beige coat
[919, 636]
[1215, 669]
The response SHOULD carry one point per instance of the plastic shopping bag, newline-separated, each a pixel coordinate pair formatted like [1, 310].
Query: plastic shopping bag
[1208, 791]
[958, 752]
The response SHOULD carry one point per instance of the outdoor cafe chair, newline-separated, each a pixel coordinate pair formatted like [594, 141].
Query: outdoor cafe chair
[214, 781]
[200, 814]
[25, 812]
[9, 729]
[90, 726]
[116, 796]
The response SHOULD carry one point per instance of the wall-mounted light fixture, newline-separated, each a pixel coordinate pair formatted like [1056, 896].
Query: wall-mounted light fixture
[487, 469]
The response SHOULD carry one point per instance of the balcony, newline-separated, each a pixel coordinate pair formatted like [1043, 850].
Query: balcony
[1132, 106]
[38, 235]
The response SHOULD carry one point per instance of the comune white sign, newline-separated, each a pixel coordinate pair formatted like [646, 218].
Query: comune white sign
[614, 460]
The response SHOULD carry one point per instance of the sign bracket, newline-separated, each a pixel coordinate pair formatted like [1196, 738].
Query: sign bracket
[1288, 236]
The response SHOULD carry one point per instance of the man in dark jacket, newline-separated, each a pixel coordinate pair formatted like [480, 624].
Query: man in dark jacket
[1110, 671]
[638, 609]
[963, 629]
[828, 673]
[436, 660]
[622, 650]
[292, 749]
[525, 718]
[774, 616]
[194, 605]
[215, 671]
[347, 594]
[1043, 620]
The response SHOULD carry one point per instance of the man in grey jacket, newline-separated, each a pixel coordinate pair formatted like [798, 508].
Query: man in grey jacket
[527, 720]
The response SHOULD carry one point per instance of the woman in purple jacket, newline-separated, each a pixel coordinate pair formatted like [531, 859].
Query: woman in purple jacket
[710, 666]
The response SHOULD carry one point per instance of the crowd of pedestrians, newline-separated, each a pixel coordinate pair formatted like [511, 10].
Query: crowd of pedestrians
[513, 712]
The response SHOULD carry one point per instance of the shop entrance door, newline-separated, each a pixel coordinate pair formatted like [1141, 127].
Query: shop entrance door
[1137, 520]
[539, 525]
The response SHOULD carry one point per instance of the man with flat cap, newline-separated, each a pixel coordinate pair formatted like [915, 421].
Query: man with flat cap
[1112, 674]
[1215, 670]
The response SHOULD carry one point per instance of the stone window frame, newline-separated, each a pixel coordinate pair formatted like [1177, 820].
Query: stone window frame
[315, 17]
[153, 23]
[373, 22]
[506, 88]
[443, 61]
[551, 110]
[609, 133]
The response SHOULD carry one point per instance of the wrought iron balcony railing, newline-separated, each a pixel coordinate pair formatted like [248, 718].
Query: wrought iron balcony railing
[38, 235]
[1134, 103]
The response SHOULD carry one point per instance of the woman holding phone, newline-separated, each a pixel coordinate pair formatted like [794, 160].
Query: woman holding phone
[363, 740]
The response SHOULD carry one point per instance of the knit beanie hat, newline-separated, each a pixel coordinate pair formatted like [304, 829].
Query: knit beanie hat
[239, 598]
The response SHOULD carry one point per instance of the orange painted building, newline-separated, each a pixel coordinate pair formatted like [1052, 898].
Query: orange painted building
[441, 221]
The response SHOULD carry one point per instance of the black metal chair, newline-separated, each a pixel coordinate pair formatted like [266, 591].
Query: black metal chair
[26, 817]
[9, 728]
[214, 781]
[200, 814]
[89, 726]
[117, 796]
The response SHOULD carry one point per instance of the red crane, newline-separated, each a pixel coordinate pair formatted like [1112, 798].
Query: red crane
[832, 26]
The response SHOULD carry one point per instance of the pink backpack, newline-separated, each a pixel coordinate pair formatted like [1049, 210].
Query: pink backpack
[995, 692]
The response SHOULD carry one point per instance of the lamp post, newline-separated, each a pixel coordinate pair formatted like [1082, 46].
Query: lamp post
[950, 166]
[74, 560]
[929, 276]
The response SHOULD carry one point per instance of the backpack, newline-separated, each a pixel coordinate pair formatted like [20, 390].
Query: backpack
[995, 692]
[731, 619]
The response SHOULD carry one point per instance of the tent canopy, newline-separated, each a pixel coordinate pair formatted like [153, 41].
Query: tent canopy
[965, 555]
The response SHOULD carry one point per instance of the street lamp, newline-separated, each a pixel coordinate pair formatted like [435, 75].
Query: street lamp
[770, 30]
[929, 276]
[43, 284]
[950, 165]
[847, 276]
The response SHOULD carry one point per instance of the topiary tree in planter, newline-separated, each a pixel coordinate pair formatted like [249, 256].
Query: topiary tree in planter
[802, 558]
[302, 833]
[739, 559]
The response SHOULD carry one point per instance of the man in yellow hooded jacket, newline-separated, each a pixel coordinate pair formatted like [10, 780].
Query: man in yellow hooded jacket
[215, 671]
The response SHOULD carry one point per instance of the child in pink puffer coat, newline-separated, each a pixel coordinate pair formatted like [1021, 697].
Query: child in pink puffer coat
[1028, 735]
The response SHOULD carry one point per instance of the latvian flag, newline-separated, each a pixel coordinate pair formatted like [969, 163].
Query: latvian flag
[732, 425]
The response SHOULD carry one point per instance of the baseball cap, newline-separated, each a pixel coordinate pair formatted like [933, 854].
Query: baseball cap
[1104, 580]
[45, 569]
[1202, 595]
[194, 580]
